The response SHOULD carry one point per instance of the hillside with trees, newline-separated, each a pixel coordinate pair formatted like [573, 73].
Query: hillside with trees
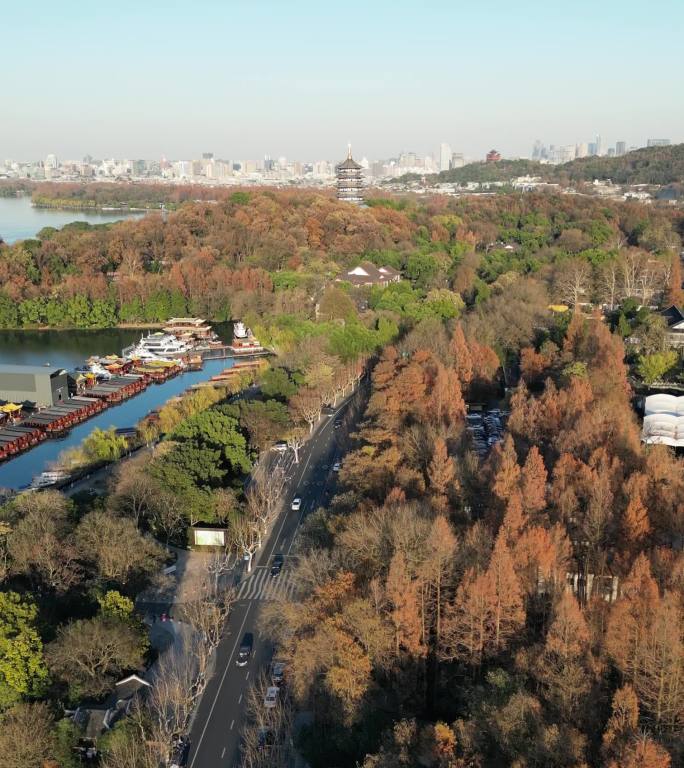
[517, 606]
[521, 610]
[659, 166]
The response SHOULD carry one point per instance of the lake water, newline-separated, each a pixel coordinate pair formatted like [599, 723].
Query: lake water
[69, 349]
[19, 220]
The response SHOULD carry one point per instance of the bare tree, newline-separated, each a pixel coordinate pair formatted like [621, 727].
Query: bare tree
[295, 440]
[267, 736]
[610, 282]
[572, 281]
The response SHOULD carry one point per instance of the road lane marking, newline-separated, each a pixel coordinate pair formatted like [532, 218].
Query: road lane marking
[223, 753]
[240, 699]
[247, 675]
[232, 723]
[218, 691]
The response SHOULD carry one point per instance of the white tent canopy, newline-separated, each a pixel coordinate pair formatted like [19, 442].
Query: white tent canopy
[664, 420]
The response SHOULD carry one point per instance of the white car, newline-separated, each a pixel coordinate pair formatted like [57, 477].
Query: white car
[271, 697]
[296, 504]
[336, 466]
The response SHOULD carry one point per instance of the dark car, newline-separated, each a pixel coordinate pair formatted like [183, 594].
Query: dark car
[245, 650]
[337, 424]
[277, 564]
[180, 751]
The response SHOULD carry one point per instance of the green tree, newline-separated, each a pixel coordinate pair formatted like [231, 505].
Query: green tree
[8, 312]
[275, 382]
[22, 668]
[653, 367]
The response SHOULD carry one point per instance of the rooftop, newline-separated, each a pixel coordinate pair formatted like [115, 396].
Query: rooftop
[49, 370]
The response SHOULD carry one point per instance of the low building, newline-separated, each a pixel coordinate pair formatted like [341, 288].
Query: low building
[367, 274]
[41, 385]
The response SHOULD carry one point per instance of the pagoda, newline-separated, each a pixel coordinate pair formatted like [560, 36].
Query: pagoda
[350, 180]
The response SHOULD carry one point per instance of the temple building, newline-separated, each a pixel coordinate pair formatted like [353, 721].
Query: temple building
[350, 180]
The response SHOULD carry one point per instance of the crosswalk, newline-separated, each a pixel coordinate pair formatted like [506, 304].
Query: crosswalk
[262, 586]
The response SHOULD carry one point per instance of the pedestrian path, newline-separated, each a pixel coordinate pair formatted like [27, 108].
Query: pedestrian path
[262, 586]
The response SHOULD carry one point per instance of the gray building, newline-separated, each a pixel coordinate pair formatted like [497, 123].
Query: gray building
[43, 385]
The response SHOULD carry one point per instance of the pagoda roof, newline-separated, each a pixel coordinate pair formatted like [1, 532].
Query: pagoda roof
[349, 164]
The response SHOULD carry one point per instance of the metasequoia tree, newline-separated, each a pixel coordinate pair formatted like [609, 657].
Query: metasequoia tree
[533, 482]
[488, 610]
[401, 593]
[441, 474]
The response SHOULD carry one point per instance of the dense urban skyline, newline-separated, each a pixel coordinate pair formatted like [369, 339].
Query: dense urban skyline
[238, 78]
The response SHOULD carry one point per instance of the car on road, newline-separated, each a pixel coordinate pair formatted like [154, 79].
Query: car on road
[271, 697]
[245, 650]
[337, 424]
[277, 564]
[296, 504]
[336, 466]
[277, 672]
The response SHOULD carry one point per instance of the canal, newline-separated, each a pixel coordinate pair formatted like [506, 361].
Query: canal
[69, 349]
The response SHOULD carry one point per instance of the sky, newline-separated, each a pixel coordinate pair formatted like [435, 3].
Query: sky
[301, 78]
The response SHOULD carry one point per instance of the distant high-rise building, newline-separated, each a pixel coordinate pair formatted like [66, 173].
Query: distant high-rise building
[207, 155]
[591, 149]
[658, 143]
[537, 150]
[493, 156]
[444, 156]
[51, 161]
[582, 150]
[620, 148]
[457, 160]
[599, 148]
[350, 180]
[611, 152]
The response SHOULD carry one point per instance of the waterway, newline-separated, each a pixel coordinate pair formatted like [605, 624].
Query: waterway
[20, 220]
[69, 349]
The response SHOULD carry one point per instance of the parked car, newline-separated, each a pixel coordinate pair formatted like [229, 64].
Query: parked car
[337, 424]
[336, 466]
[271, 697]
[179, 751]
[277, 672]
[245, 650]
[296, 504]
[277, 565]
[265, 739]
[280, 446]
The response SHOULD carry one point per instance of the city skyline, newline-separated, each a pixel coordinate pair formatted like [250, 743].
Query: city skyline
[238, 79]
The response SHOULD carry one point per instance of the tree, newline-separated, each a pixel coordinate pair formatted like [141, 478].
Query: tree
[401, 593]
[653, 367]
[560, 667]
[441, 474]
[89, 655]
[622, 725]
[306, 406]
[264, 421]
[115, 547]
[675, 294]
[22, 669]
[39, 544]
[437, 568]
[295, 440]
[572, 281]
[26, 736]
[643, 753]
[533, 482]
[462, 360]
[507, 472]
[275, 382]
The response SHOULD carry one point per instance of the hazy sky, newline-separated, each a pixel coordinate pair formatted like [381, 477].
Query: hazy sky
[145, 78]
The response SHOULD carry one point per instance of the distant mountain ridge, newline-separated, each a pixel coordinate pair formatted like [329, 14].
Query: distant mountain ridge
[651, 165]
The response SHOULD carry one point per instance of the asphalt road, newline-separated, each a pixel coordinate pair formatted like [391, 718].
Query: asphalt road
[215, 734]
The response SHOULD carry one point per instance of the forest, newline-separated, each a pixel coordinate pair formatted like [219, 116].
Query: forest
[524, 610]
[520, 608]
[659, 166]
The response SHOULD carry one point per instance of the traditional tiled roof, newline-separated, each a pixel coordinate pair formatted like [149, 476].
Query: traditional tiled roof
[673, 315]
